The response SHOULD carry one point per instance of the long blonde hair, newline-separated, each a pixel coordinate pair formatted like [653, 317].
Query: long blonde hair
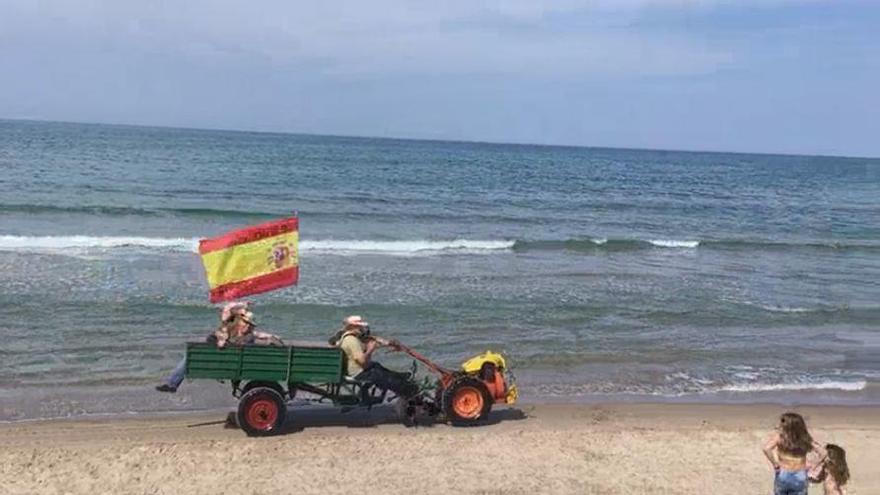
[794, 437]
[836, 464]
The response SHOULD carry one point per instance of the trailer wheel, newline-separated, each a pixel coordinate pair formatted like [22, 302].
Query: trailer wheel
[466, 402]
[261, 412]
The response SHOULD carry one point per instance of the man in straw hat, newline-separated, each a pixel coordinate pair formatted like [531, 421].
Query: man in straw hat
[358, 345]
[237, 327]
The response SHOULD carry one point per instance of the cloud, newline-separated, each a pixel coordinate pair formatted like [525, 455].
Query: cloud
[362, 39]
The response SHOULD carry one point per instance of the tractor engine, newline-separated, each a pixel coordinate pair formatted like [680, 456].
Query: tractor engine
[491, 369]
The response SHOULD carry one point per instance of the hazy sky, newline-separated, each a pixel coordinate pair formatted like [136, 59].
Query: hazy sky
[771, 75]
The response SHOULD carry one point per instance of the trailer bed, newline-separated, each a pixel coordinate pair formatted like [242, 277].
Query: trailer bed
[297, 363]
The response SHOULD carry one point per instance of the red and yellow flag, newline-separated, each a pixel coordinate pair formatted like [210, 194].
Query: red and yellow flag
[252, 260]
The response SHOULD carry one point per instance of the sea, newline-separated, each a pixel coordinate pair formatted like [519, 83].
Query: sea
[601, 274]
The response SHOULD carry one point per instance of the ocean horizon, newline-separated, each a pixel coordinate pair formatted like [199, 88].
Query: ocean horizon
[435, 139]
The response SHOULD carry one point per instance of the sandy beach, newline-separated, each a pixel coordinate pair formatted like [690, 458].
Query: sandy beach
[607, 449]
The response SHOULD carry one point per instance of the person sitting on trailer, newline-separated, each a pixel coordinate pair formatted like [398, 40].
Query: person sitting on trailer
[236, 327]
[358, 345]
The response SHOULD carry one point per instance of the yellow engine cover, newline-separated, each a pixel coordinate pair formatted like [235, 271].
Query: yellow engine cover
[474, 364]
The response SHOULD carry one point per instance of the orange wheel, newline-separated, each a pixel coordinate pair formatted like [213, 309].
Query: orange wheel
[468, 402]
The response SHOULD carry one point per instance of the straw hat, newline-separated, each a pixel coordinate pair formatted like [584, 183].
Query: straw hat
[232, 309]
[354, 321]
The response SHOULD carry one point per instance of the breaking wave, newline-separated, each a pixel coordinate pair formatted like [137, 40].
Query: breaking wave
[605, 244]
[674, 243]
[790, 309]
[79, 243]
[769, 387]
[403, 247]
[601, 243]
[690, 388]
[395, 247]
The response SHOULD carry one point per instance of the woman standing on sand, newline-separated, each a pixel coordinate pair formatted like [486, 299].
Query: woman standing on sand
[787, 450]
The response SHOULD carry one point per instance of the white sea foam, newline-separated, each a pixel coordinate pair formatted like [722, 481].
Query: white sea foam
[768, 387]
[779, 308]
[404, 247]
[787, 309]
[671, 243]
[747, 375]
[80, 243]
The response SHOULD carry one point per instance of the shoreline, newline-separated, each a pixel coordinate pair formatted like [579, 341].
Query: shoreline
[26, 406]
[313, 413]
[542, 402]
[867, 397]
[529, 448]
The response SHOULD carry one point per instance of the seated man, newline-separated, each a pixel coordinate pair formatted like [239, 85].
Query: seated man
[359, 346]
[237, 328]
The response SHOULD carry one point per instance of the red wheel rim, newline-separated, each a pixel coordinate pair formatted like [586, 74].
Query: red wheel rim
[467, 402]
[262, 414]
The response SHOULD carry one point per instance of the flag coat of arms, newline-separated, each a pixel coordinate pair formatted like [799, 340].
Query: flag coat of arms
[252, 260]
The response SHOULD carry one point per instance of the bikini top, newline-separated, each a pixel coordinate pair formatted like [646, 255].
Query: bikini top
[790, 455]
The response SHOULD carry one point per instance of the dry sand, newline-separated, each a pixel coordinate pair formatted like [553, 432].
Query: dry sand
[624, 448]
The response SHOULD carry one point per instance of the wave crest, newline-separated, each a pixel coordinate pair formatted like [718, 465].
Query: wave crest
[81, 242]
[602, 243]
[404, 247]
[769, 387]
[674, 243]
[61, 243]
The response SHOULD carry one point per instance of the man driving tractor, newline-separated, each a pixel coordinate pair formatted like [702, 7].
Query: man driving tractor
[358, 345]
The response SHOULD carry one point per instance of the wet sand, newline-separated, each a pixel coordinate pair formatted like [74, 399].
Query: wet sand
[602, 449]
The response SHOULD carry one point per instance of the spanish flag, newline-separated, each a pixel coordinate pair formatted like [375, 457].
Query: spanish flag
[252, 260]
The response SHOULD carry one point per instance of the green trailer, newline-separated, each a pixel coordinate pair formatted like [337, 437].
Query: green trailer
[265, 378]
[303, 363]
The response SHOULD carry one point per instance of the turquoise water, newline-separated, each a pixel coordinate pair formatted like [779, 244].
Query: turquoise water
[601, 272]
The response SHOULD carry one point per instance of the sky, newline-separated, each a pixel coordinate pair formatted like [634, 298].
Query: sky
[785, 76]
